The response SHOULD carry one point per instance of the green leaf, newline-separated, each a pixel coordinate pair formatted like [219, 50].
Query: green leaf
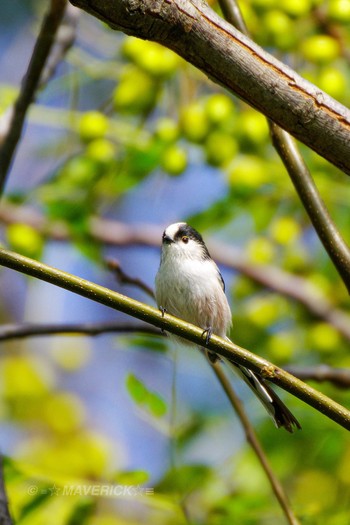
[147, 399]
[136, 389]
[131, 477]
[156, 405]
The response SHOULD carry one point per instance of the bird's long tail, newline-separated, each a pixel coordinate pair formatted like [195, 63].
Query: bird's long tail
[275, 407]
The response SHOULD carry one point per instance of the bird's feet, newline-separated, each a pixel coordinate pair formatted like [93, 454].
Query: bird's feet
[163, 310]
[208, 332]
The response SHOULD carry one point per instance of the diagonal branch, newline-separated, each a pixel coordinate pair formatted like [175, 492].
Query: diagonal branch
[116, 233]
[254, 443]
[332, 240]
[43, 45]
[5, 517]
[151, 315]
[300, 175]
[194, 31]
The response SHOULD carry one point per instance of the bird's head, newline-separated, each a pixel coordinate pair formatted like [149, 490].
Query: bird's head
[181, 240]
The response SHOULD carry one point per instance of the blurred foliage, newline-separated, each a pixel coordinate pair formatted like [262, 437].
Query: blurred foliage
[158, 117]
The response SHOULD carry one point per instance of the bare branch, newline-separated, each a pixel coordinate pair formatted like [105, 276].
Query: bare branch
[194, 31]
[300, 175]
[65, 38]
[333, 242]
[124, 278]
[166, 322]
[5, 518]
[43, 45]
[19, 331]
[116, 233]
[340, 377]
[255, 443]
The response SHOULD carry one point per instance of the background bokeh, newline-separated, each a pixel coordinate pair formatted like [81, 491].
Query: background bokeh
[127, 131]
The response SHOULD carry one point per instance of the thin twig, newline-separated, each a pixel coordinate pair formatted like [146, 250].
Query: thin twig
[332, 240]
[300, 175]
[254, 443]
[233, 352]
[64, 40]
[5, 517]
[339, 377]
[116, 233]
[42, 48]
[19, 331]
[124, 278]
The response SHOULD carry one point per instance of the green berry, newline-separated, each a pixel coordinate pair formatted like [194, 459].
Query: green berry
[167, 130]
[333, 81]
[339, 11]
[174, 160]
[135, 93]
[220, 148]
[93, 125]
[100, 150]
[194, 122]
[320, 49]
[24, 239]
[219, 108]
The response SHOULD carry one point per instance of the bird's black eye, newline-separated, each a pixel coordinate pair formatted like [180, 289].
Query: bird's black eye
[185, 239]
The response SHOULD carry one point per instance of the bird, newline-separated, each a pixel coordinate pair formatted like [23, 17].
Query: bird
[189, 285]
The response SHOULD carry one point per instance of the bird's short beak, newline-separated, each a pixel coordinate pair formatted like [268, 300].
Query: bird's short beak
[167, 239]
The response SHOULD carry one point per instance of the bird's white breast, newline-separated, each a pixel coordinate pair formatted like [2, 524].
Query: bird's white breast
[192, 290]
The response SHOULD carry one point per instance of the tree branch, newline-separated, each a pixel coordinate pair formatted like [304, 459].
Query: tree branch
[200, 36]
[43, 45]
[300, 175]
[339, 377]
[120, 234]
[151, 315]
[254, 443]
[19, 331]
[333, 242]
[5, 517]
[123, 278]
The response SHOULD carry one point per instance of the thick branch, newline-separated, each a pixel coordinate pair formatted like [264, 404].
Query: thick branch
[120, 234]
[30, 84]
[201, 37]
[178, 327]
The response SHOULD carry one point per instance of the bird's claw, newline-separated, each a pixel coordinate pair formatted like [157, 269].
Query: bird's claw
[208, 332]
[163, 310]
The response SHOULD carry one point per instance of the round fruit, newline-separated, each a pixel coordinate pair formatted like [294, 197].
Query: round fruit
[135, 93]
[220, 148]
[219, 108]
[167, 130]
[339, 11]
[194, 122]
[101, 150]
[174, 160]
[24, 239]
[93, 125]
[321, 49]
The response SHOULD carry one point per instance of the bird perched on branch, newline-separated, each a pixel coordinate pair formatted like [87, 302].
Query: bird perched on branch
[190, 286]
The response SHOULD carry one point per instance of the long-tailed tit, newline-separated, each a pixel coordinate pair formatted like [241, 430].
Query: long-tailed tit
[189, 286]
